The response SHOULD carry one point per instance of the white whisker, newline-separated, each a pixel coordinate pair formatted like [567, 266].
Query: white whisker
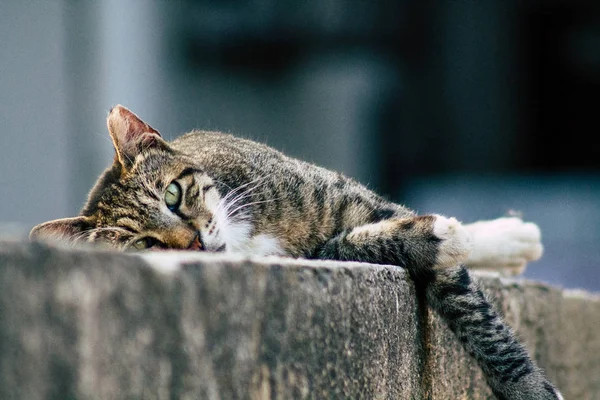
[244, 193]
[233, 191]
[225, 204]
[251, 204]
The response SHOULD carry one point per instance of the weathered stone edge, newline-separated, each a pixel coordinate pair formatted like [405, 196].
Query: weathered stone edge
[94, 324]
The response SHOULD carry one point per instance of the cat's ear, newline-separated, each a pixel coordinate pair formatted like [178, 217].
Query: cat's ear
[130, 135]
[66, 229]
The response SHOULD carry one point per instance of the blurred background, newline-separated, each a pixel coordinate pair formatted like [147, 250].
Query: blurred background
[464, 108]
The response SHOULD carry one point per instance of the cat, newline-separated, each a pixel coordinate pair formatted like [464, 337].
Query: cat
[209, 191]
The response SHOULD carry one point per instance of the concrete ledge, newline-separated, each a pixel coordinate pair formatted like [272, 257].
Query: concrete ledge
[88, 324]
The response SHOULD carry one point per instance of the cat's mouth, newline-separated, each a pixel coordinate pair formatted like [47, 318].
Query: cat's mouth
[196, 243]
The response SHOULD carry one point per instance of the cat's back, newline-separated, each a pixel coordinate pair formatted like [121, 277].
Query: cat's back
[208, 147]
[222, 153]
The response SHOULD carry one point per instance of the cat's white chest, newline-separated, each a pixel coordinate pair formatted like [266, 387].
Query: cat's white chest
[264, 245]
[238, 238]
[259, 245]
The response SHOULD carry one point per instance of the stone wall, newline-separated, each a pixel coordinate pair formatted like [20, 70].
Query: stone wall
[90, 324]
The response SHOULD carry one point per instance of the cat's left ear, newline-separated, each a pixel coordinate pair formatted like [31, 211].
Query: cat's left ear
[130, 135]
[66, 229]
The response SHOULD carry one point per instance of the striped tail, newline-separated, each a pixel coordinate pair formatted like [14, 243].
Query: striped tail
[509, 370]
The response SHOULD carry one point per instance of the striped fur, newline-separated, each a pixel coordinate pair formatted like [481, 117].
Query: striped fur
[238, 195]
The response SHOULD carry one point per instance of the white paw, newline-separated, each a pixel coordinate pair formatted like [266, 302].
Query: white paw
[456, 242]
[504, 243]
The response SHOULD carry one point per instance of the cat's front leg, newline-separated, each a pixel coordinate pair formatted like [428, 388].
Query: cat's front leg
[420, 244]
[431, 248]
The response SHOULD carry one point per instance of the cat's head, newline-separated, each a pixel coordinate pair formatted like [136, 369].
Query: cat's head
[151, 197]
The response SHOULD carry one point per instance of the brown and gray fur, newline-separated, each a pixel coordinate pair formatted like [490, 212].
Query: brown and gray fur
[242, 196]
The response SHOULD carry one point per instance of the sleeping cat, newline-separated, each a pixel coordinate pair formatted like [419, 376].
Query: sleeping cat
[208, 191]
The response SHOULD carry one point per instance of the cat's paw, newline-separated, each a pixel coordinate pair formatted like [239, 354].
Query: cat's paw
[505, 244]
[455, 245]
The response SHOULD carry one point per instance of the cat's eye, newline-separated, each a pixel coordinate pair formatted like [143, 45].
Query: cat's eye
[144, 243]
[173, 196]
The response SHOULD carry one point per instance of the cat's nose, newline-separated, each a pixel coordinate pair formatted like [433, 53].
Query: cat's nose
[196, 244]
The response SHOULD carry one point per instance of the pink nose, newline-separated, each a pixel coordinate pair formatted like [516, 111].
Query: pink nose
[196, 244]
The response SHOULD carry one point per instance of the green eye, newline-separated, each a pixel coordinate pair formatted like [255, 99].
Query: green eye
[173, 196]
[144, 243]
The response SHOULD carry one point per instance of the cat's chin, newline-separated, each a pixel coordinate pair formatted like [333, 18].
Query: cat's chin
[220, 249]
[214, 246]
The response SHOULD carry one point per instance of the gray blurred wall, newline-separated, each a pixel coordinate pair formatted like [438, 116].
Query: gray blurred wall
[34, 158]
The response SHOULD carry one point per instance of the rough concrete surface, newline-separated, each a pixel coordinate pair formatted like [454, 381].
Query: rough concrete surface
[91, 324]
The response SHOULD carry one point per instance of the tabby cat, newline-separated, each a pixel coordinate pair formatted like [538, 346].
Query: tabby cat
[208, 191]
